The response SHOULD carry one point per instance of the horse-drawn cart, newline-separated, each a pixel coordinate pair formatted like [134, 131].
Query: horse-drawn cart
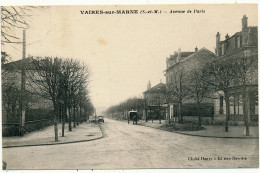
[133, 116]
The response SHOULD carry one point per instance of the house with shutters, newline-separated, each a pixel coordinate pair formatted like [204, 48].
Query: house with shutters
[242, 44]
[186, 62]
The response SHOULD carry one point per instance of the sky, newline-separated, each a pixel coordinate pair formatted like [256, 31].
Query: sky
[124, 51]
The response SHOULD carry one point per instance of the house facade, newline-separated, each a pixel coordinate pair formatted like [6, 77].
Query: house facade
[179, 65]
[242, 44]
[155, 99]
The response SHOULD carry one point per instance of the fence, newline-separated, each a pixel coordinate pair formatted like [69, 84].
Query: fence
[206, 110]
[35, 119]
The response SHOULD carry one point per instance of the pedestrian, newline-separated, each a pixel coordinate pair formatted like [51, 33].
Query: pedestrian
[4, 165]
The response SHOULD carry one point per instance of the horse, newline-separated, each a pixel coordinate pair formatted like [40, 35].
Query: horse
[135, 119]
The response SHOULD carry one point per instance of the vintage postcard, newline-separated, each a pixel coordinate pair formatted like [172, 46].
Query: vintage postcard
[129, 86]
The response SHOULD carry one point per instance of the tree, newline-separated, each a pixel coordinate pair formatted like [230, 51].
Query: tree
[5, 58]
[245, 68]
[15, 17]
[48, 81]
[177, 89]
[198, 89]
[220, 74]
[11, 95]
[76, 78]
[129, 104]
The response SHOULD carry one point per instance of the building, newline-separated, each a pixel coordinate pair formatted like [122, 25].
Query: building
[183, 63]
[154, 101]
[242, 44]
[38, 111]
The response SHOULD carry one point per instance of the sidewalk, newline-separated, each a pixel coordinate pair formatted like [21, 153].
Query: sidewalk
[210, 130]
[84, 132]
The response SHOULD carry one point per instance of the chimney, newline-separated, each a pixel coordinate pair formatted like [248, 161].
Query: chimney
[179, 55]
[227, 36]
[149, 85]
[167, 62]
[244, 23]
[160, 80]
[217, 43]
[196, 49]
[175, 52]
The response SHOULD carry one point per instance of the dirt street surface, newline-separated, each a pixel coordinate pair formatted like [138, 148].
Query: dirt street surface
[131, 146]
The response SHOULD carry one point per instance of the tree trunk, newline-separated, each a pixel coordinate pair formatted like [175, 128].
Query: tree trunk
[56, 119]
[180, 112]
[159, 111]
[146, 119]
[87, 116]
[77, 117]
[227, 110]
[80, 115]
[152, 116]
[70, 129]
[59, 113]
[245, 100]
[74, 116]
[199, 113]
[64, 110]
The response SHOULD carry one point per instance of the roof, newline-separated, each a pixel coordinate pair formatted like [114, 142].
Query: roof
[26, 63]
[249, 39]
[183, 55]
[248, 29]
[193, 55]
[160, 86]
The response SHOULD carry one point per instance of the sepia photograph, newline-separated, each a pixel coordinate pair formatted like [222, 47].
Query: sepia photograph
[108, 87]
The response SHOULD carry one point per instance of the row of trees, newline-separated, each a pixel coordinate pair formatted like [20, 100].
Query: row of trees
[64, 82]
[218, 75]
[127, 105]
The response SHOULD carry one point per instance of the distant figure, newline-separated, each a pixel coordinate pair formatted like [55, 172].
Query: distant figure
[4, 165]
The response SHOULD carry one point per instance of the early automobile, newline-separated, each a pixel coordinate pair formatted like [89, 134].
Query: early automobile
[101, 119]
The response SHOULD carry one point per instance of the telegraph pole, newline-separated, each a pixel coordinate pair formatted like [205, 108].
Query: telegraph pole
[22, 104]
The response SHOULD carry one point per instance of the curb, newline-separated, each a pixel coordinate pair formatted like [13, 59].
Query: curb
[204, 136]
[59, 143]
[15, 146]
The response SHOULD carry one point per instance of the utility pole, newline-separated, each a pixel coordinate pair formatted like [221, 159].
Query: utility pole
[22, 104]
